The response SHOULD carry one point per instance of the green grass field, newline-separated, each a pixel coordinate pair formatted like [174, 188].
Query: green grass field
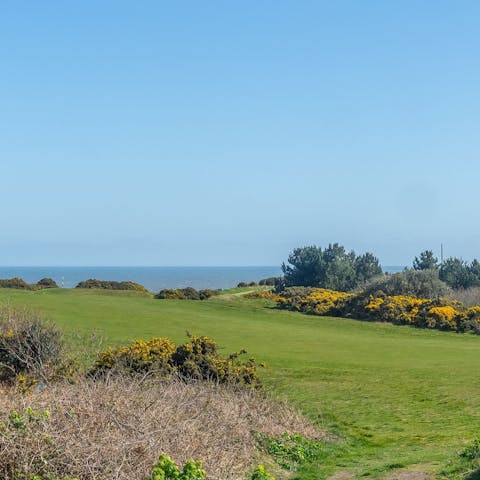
[396, 396]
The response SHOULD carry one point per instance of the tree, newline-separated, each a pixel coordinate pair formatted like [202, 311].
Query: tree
[367, 267]
[426, 261]
[332, 267]
[456, 273]
[306, 265]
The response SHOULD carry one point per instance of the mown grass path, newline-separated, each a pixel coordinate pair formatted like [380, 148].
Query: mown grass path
[396, 396]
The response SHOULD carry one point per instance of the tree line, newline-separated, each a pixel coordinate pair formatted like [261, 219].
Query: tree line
[335, 268]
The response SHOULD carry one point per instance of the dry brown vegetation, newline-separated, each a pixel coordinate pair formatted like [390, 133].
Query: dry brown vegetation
[470, 297]
[116, 428]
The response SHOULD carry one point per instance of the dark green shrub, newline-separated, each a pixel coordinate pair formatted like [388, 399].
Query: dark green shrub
[270, 281]
[47, 283]
[185, 294]
[14, 283]
[111, 285]
[242, 285]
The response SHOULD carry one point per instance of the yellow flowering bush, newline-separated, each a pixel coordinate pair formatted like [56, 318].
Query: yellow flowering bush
[198, 359]
[137, 357]
[317, 301]
[443, 317]
[440, 314]
[396, 308]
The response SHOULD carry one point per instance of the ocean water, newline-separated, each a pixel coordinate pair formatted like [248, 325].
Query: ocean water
[153, 278]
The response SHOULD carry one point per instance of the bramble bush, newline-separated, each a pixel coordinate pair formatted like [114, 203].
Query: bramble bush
[29, 345]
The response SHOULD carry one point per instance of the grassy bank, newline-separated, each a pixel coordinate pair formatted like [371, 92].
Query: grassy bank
[398, 397]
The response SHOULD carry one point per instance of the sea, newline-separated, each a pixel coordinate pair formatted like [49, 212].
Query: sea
[154, 278]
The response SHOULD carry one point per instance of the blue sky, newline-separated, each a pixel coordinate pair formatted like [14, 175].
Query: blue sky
[228, 133]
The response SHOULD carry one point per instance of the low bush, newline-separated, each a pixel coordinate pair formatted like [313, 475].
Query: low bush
[111, 285]
[47, 283]
[14, 283]
[185, 294]
[197, 359]
[270, 281]
[29, 345]
[414, 283]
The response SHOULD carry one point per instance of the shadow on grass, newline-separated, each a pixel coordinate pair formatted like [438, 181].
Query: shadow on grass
[474, 476]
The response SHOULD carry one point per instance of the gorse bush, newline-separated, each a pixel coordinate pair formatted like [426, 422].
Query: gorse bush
[185, 294]
[138, 357]
[111, 285]
[196, 359]
[199, 359]
[439, 313]
[319, 301]
[29, 344]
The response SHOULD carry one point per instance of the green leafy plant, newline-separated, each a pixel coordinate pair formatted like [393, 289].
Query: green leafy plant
[472, 451]
[167, 469]
[260, 473]
[21, 420]
[290, 450]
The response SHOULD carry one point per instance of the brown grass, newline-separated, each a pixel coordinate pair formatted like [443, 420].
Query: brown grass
[116, 429]
[470, 297]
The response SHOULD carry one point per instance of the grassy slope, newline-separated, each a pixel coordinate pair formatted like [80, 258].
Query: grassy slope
[397, 395]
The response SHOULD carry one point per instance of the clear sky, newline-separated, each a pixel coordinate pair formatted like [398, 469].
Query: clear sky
[228, 133]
